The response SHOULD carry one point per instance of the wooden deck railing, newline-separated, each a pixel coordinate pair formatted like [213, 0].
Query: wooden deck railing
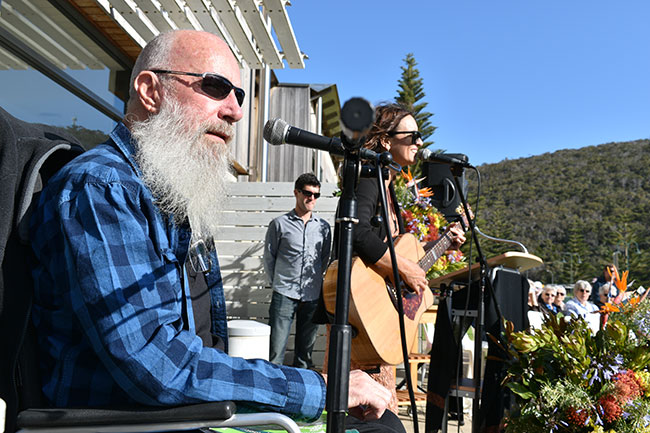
[249, 209]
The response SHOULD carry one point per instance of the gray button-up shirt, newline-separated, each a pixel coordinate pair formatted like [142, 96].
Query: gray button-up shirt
[296, 255]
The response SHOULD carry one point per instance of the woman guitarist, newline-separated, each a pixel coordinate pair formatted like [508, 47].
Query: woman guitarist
[396, 131]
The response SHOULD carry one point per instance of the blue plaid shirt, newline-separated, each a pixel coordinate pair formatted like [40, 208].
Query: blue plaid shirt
[110, 309]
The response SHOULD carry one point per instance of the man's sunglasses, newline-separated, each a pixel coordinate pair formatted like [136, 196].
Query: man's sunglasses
[584, 290]
[415, 135]
[213, 85]
[308, 194]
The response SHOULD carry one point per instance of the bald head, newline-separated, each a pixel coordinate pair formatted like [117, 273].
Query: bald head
[169, 50]
[194, 49]
[180, 50]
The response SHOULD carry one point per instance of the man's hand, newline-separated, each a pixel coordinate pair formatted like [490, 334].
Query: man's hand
[366, 398]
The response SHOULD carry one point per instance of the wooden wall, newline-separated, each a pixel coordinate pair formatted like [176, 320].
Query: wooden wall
[249, 209]
[292, 104]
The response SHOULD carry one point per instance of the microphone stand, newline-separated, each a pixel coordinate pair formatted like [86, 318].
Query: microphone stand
[484, 284]
[386, 159]
[357, 116]
[338, 371]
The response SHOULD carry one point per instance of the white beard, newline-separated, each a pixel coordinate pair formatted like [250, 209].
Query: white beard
[185, 172]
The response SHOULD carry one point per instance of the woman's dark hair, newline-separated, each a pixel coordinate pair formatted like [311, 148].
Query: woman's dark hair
[387, 117]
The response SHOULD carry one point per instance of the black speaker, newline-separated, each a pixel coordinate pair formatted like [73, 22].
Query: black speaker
[445, 195]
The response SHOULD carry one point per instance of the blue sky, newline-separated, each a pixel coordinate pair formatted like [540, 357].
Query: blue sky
[504, 78]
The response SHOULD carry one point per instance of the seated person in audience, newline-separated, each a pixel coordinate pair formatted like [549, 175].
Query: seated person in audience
[559, 298]
[546, 300]
[580, 305]
[129, 305]
[532, 297]
[604, 295]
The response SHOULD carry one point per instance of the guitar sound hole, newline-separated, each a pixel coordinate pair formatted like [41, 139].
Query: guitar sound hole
[392, 292]
[407, 292]
[410, 299]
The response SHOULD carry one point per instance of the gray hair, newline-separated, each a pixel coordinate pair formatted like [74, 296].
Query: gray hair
[581, 284]
[155, 55]
[549, 288]
[604, 289]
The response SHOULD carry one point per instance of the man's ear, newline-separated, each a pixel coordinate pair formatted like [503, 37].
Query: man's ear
[148, 89]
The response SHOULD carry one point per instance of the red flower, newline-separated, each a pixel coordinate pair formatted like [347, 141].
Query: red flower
[577, 417]
[628, 386]
[611, 408]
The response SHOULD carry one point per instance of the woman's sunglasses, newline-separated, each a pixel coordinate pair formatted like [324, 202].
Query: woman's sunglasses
[308, 194]
[415, 135]
[212, 84]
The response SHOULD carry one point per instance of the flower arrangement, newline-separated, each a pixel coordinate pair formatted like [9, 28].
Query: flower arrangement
[423, 220]
[569, 380]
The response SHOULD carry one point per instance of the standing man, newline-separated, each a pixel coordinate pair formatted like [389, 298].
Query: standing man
[296, 253]
[117, 234]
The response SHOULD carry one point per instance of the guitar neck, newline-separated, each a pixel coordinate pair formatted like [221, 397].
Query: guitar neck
[435, 252]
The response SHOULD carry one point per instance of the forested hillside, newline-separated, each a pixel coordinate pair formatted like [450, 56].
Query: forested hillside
[89, 138]
[576, 209]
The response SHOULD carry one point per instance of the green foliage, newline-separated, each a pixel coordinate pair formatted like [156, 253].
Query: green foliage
[569, 380]
[573, 208]
[410, 94]
[89, 138]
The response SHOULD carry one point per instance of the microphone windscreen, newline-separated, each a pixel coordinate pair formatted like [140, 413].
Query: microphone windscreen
[275, 131]
[424, 154]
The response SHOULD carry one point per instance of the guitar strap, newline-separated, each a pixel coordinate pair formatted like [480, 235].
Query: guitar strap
[398, 213]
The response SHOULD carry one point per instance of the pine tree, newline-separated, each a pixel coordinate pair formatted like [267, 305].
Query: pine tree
[577, 251]
[410, 94]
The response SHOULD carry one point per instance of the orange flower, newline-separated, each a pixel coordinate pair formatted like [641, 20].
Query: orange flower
[411, 182]
[409, 178]
[621, 285]
[609, 308]
[615, 274]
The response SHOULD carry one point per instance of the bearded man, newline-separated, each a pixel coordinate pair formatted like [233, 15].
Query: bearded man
[129, 306]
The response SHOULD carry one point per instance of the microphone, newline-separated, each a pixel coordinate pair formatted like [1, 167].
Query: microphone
[277, 132]
[428, 156]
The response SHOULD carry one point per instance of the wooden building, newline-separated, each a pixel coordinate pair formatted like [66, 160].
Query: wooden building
[55, 36]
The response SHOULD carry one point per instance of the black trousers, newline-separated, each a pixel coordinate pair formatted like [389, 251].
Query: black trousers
[388, 423]
[511, 295]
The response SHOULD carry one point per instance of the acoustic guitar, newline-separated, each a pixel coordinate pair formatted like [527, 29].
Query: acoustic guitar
[373, 302]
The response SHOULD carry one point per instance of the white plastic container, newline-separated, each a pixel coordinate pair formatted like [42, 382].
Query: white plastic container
[3, 410]
[248, 339]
